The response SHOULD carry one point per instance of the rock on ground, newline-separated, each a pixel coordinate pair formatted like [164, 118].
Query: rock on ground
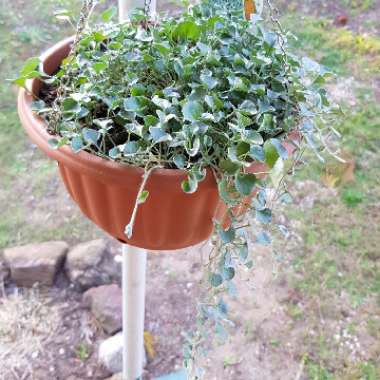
[91, 264]
[105, 303]
[4, 270]
[111, 355]
[35, 263]
[118, 376]
[181, 375]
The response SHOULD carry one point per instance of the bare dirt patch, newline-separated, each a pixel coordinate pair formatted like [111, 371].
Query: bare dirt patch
[59, 337]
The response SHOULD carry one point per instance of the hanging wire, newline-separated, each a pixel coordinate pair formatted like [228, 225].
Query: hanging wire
[147, 7]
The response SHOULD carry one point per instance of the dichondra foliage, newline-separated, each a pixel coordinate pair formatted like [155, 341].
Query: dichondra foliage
[206, 89]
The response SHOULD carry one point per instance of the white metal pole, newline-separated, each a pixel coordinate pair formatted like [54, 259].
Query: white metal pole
[134, 277]
[133, 273]
[126, 6]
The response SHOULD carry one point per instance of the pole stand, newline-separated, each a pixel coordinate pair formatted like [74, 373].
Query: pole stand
[134, 271]
[133, 279]
[126, 6]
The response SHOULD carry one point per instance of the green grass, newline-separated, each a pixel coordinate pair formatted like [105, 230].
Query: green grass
[352, 197]
[343, 51]
[340, 252]
[317, 372]
[363, 371]
[12, 143]
[16, 228]
[360, 125]
[20, 36]
[8, 226]
[24, 172]
[358, 6]
[341, 234]
[83, 352]
[369, 371]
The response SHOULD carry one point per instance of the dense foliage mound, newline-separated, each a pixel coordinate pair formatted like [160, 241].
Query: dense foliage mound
[205, 89]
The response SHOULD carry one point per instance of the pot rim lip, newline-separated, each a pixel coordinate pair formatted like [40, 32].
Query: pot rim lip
[84, 161]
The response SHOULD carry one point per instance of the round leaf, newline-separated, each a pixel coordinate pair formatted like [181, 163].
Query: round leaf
[192, 110]
[143, 197]
[264, 216]
[227, 236]
[216, 280]
[229, 273]
[245, 183]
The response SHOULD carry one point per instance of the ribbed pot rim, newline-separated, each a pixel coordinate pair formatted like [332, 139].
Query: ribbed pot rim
[85, 162]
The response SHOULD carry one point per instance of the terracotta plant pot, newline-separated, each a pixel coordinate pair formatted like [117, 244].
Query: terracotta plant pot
[106, 191]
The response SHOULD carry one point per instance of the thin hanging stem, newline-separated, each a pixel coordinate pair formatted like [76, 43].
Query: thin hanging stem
[280, 31]
[147, 173]
[85, 13]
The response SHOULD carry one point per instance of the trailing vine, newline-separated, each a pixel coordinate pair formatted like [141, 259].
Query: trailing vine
[207, 91]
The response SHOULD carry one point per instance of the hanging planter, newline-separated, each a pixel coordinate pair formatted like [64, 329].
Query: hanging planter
[106, 191]
[199, 125]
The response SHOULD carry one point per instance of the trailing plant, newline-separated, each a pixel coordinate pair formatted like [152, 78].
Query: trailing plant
[207, 92]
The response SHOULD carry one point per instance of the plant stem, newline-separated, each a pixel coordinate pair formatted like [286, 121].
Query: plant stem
[85, 13]
[129, 227]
